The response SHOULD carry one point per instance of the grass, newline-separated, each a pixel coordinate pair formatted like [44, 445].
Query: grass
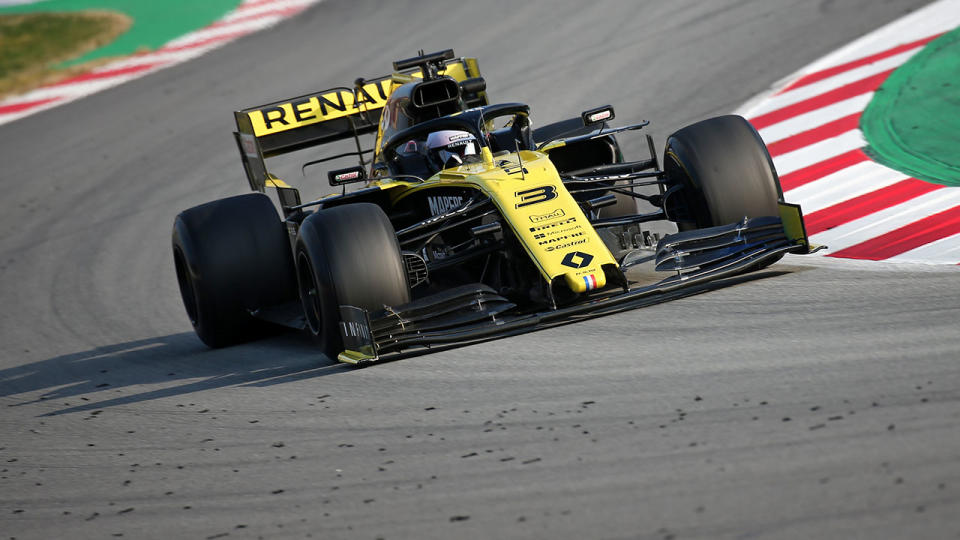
[34, 45]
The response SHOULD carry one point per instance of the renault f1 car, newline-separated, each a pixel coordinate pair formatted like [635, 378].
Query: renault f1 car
[470, 224]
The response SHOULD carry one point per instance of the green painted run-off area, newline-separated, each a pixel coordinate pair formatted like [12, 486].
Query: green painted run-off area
[155, 22]
[912, 124]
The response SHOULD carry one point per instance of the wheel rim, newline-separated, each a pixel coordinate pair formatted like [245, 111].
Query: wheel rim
[185, 281]
[309, 293]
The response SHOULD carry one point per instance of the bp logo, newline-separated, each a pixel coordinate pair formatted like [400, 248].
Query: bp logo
[576, 259]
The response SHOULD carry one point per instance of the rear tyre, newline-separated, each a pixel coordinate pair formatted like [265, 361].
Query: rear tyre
[347, 255]
[232, 256]
[725, 171]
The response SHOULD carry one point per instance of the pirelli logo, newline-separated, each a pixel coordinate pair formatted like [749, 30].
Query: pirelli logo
[561, 224]
[319, 108]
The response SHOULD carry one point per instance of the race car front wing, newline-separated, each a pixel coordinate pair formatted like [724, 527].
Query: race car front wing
[475, 312]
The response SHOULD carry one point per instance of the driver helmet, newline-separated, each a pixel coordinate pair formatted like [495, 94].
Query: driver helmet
[451, 148]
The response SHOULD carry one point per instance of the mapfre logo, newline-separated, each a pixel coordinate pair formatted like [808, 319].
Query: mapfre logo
[444, 204]
[556, 214]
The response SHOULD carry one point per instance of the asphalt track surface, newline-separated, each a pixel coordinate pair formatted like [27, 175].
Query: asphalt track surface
[812, 401]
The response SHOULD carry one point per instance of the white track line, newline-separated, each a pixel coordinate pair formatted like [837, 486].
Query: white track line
[887, 220]
[796, 95]
[248, 17]
[936, 18]
[843, 185]
[817, 152]
[246, 10]
[817, 117]
[223, 31]
[943, 251]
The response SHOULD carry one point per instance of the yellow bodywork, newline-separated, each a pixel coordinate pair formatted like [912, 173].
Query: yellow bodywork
[355, 357]
[544, 216]
[793, 226]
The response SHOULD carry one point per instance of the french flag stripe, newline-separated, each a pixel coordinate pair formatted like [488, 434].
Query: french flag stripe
[590, 281]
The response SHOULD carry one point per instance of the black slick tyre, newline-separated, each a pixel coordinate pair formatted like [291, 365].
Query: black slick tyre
[725, 172]
[347, 255]
[232, 256]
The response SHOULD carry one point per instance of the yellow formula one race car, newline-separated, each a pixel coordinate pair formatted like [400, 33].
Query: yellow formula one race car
[472, 224]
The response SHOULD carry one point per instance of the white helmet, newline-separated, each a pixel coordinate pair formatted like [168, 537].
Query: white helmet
[450, 148]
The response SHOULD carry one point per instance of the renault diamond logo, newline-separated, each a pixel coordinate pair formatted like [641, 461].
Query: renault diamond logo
[576, 259]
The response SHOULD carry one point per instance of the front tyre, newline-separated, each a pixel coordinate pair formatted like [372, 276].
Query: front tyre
[232, 256]
[347, 255]
[725, 172]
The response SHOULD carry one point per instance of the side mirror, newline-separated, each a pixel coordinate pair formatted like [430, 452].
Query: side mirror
[598, 115]
[349, 175]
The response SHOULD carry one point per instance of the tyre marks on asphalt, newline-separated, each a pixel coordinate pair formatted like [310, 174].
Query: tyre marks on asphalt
[250, 16]
[859, 208]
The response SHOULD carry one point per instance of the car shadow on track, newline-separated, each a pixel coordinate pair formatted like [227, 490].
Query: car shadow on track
[179, 364]
[653, 300]
[160, 367]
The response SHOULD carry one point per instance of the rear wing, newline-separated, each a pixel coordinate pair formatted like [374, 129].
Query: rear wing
[323, 117]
